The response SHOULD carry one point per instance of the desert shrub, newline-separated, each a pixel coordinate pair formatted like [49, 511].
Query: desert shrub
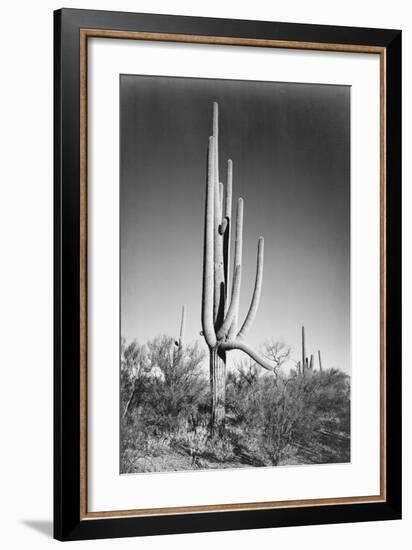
[243, 390]
[162, 388]
[194, 441]
[281, 414]
[178, 385]
[221, 447]
[271, 417]
[333, 400]
[285, 411]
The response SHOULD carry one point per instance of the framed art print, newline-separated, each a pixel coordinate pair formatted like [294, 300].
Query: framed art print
[227, 274]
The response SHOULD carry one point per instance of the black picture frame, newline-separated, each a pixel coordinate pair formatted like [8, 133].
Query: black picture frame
[69, 521]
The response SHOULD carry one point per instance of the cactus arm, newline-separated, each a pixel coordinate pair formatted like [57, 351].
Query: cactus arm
[208, 255]
[234, 302]
[219, 276]
[237, 261]
[242, 346]
[233, 327]
[256, 292]
[216, 139]
[228, 201]
[234, 343]
[311, 362]
[220, 207]
[226, 228]
[228, 204]
[320, 360]
[239, 233]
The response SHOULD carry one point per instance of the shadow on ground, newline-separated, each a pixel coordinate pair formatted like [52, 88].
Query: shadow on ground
[44, 527]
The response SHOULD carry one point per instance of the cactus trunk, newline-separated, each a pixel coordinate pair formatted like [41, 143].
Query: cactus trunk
[218, 387]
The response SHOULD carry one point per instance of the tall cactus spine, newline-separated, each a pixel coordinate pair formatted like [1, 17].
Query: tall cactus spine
[220, 311]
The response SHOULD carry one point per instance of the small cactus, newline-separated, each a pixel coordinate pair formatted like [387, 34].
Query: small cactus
[307, 364]
[177, 353]
[182, 328]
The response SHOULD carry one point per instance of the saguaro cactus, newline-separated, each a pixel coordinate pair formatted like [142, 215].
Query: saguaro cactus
[176, 351]
[304, 358]
[306, 364]
[219, 312]
[179, 343]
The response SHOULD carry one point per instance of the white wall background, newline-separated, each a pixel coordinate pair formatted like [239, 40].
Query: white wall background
[26, 225]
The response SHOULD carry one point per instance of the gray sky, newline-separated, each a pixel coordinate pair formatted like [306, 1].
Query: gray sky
[290, 146]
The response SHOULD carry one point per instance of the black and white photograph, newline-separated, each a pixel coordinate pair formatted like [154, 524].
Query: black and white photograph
[203, 259]
[234, 274]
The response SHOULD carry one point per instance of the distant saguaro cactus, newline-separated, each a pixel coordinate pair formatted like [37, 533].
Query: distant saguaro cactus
[176, 351]
[306, 364]
[219, 313]
[179, 343]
